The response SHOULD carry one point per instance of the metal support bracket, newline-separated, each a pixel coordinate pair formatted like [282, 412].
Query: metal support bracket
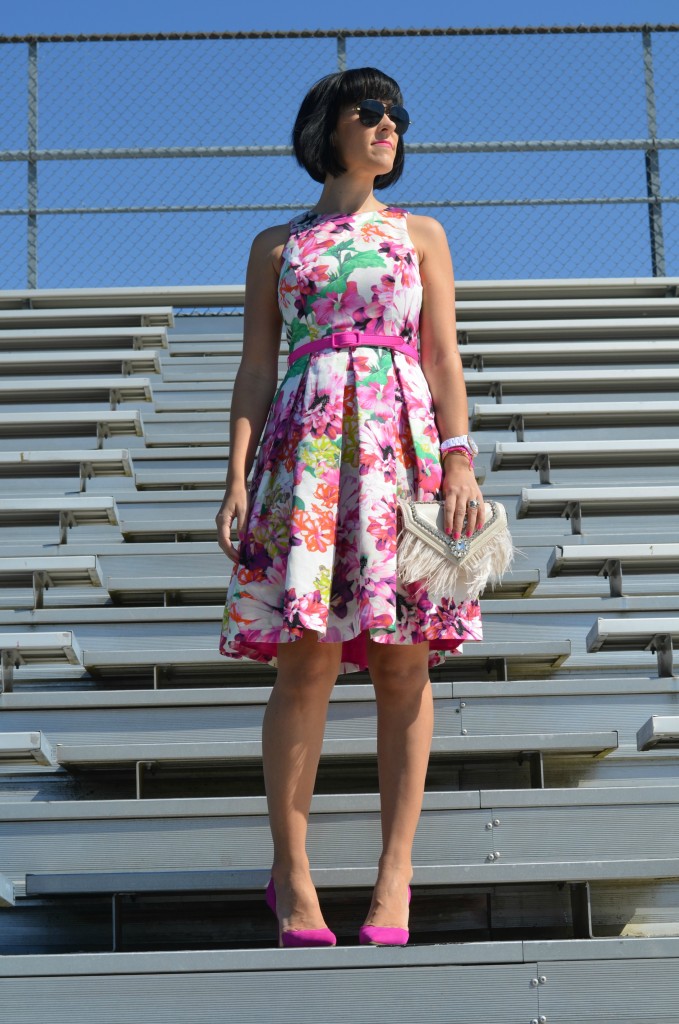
[66, 521]
[612, 570]
[41, 582]
[518, 425]
[498, 666]
[139, 772]
[496, 392]
[581, 910]
[573, 511]
[116, 921]
[7, 666]
[661, 645]
[86, 473]
[536, 763]
[542, 465]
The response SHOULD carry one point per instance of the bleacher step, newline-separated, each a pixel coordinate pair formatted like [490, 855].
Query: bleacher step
[598, 980]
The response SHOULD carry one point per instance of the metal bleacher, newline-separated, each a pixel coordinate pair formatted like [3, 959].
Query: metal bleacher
[133, 830]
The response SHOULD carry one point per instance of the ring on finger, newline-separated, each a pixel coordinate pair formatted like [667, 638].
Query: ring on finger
[473, 503]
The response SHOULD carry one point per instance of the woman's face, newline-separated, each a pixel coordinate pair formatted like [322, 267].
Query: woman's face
[362, 149]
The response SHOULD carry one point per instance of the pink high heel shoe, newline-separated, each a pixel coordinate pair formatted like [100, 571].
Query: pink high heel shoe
[374, 935]
[291, 938]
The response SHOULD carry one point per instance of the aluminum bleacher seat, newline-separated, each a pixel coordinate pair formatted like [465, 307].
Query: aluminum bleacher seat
[479, 356]
[188, 757]
[545, 455]
[86, 463]
[528, 978]
[197, 658]
[82, 316]
[609, 560]
[621, 322]
[498, 383]
[66, 339]
[47, 571]
[660, 731]
[574, 502]
[65, 512]
[6, 892]
[654, 634]
[487, 719]
[35, 648]
[123, 361]
[33, 747]
[99, 424]
[177, 982]
[519, 417]
[156, 302]
[113, 390]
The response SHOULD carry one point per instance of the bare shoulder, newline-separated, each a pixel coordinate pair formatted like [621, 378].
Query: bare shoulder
[427, 233]
[268, 245]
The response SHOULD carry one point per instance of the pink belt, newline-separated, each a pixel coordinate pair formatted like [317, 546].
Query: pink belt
[353, 339]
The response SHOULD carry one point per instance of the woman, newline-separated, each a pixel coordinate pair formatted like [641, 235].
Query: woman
[357, 420]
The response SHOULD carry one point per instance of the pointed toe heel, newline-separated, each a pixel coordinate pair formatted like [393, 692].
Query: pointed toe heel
[373, 935]
[299, 938]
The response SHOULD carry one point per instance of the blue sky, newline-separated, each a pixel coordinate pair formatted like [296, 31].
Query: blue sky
[86, 16]
[508, 214]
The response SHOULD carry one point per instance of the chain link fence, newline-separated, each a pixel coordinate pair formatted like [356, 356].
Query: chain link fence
[153, 160]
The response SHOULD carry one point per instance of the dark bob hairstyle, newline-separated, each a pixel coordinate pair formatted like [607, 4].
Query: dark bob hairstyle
[313, 135]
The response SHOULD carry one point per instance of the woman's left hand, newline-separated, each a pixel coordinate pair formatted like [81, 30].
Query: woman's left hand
[459, 487]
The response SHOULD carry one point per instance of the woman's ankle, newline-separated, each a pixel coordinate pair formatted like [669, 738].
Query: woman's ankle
[396, 868]
[293, 874]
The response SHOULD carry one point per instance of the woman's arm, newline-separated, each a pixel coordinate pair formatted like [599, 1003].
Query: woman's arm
[256, 380]
[442, 367]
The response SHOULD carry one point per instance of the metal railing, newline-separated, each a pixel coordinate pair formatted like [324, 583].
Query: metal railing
[153, 159]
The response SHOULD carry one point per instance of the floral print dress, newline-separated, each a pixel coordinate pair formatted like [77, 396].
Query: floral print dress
[348, 431]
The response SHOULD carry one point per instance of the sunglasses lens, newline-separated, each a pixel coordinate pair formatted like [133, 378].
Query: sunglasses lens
[399, 115]
[371, 112]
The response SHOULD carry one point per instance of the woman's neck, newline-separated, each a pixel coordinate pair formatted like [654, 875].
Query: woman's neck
[346, 195]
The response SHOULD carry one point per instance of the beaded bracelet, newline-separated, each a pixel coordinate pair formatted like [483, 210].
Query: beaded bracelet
[462, 450]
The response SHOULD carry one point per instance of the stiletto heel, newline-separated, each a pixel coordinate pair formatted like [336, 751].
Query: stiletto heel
[374, 935]
[300, 937]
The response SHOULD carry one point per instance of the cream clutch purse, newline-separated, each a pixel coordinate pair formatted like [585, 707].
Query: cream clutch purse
[447, 568]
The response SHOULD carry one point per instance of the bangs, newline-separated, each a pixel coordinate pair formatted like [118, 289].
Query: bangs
[367, 83]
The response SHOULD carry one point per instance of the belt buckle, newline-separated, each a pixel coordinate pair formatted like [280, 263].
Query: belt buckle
[346, 339]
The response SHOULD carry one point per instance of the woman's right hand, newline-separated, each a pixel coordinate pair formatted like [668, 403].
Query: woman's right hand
[234, 506]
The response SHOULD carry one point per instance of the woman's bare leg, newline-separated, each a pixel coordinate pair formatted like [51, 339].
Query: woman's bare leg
[292, 737]
[405, 719]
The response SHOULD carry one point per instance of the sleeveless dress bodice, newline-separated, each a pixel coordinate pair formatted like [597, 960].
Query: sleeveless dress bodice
[355, 272]
[349, 432]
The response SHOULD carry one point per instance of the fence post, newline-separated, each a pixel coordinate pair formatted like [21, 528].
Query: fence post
[652, 162]
[341, 53]
[32, 167]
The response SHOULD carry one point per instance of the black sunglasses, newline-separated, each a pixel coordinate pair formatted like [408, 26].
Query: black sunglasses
[371, 112]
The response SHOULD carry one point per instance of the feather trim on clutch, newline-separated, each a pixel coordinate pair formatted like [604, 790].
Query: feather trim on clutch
[447, 568]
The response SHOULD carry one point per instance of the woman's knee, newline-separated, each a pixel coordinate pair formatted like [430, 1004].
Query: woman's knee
[306, 667]
[399, 672]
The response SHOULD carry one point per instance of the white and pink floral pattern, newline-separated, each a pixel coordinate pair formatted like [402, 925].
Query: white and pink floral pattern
[349, 430]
